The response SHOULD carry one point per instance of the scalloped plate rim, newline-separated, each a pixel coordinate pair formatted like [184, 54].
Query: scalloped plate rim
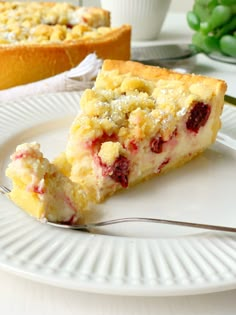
[106, 287]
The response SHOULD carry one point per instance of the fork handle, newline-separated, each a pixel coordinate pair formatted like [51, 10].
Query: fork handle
[155, 220]
[5, 190]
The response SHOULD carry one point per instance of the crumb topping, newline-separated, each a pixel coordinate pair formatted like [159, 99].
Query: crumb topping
[30, 166]
[35, 22]
[135, 108]
[110, 151]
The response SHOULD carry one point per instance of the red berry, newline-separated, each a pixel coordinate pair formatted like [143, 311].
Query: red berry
[156, 144]
[120, 171]
[198, 116]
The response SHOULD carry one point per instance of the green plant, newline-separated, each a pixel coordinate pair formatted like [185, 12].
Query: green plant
[214, 23]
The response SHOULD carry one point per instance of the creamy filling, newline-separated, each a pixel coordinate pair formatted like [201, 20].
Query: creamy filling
[53, 194]
[182, 144]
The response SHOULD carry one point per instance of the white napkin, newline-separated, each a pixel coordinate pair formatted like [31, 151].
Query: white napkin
[76, 79]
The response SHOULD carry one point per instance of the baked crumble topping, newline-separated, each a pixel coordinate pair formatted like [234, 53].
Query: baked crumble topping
[35, 22]
[135, 108]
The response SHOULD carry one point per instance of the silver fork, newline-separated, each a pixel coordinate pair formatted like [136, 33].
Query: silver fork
[88, 226]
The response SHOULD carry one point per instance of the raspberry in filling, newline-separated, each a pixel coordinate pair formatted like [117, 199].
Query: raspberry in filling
[198, 116]
[118, 171]
[156, 144]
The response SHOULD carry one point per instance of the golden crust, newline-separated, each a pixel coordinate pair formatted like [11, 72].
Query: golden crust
[157, 73]
[28, 63]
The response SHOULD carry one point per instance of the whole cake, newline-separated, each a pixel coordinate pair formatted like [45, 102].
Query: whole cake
[139, 121]
[41, 190]
[40, 39]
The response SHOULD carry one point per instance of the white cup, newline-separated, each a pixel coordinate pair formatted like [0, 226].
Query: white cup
[145, 16]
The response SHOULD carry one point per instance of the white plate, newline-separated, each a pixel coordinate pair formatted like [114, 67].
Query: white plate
[138, 259]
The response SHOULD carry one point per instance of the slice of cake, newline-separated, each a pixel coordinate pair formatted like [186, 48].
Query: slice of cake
[41, 190]
[139, 121]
